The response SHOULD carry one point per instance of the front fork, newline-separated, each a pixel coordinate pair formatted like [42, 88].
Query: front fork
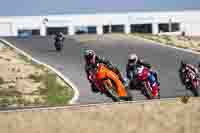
[155, 91]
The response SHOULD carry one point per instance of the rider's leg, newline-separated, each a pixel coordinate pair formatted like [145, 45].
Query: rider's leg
[152, 80]
[94, 88]
[156, 77]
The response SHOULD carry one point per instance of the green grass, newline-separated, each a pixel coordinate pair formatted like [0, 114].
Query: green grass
[162, 39]
[52, 93]
[55, 94]
[167, 38]
[24, 58]
[6, 101]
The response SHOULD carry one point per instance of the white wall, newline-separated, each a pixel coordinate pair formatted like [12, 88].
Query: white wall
[190, 21]
[6, 26]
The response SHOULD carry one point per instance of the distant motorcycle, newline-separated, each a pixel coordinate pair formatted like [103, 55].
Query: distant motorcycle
[59, 44]
[107, 82]
[150, 89]
[190, 80]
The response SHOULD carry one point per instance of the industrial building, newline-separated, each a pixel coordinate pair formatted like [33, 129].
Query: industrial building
[166, 22]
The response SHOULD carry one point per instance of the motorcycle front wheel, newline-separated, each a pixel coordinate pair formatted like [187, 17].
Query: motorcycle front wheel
[147, 91]
[195, 89]
[111, 89]
[58, 46]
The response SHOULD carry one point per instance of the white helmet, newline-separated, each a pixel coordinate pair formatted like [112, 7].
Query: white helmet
[89, 54]
[133, 58]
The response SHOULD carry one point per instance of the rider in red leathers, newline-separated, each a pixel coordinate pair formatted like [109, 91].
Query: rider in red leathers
[191, 69]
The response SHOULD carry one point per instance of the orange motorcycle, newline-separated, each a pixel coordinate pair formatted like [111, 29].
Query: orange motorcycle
[108, 82]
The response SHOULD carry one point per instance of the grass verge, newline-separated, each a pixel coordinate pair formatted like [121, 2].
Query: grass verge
[26, 83]
[176, 41]
[54, 93]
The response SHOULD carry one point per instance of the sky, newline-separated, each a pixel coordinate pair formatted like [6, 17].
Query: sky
[45, 7]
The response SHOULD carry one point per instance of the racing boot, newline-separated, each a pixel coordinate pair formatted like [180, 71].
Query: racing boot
[94, 88]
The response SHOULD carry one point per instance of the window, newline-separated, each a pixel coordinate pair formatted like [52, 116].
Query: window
[81, 30]
[164, 27]
[106, 29]
[24, 33]
[175, 27]
[54, 30]
[28, 32]
[141, 28]
[117, 28]
[92, 29]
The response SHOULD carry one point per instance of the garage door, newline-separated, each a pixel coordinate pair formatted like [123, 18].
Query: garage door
[29, 32]
[141, 28]
[106, 29]
[117, 28]
[92, 29]
[54, 30]
[5, 29]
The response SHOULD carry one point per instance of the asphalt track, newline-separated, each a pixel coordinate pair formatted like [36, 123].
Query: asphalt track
[114, 47]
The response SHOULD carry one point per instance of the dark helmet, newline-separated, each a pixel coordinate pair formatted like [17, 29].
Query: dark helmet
[58, 34]
[183, 63]
[89, 54]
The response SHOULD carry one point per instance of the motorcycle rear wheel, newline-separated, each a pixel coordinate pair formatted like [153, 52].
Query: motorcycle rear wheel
[195, 92]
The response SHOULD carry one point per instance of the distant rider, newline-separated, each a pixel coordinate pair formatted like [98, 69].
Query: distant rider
[59, 37]
[191, 69]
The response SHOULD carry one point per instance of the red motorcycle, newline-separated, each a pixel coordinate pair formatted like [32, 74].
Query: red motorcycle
[147, 82]
[190, 80]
